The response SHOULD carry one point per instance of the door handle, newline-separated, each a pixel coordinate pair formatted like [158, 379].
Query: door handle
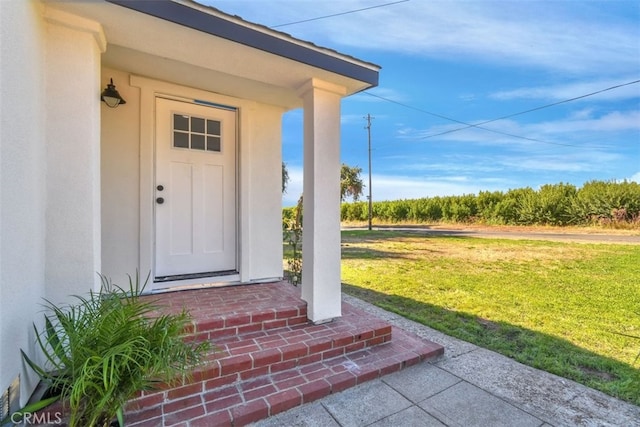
[160, 200]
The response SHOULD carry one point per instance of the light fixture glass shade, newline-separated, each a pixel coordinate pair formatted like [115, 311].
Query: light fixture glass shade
[111, 97]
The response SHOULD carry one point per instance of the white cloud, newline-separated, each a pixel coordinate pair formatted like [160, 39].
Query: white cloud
[613, 122]
[635, 177]
[569, 36]
[488, 169]
[545, 163]
[460, 165]
[585, 113]
[565, 91]
[574, 161]
[583, 130]
[393, 187]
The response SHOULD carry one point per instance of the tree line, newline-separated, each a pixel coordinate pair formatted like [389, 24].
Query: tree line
[596, 202]
[605, 203]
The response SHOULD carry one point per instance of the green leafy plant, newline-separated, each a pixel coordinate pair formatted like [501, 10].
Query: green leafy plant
[107, 347]
[607, 204]
[292, 231]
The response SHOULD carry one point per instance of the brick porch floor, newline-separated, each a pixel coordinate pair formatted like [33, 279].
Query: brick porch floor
[268, 357]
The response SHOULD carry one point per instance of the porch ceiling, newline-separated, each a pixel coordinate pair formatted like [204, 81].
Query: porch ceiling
[155, 47]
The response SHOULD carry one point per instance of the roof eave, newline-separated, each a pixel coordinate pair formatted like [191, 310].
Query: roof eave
[237, 30]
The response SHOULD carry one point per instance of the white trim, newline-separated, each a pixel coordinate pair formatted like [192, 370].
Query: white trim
[321, 85]
[205, 282]
[151, 89]
[75, 22]
[232, 281]
[244, 188]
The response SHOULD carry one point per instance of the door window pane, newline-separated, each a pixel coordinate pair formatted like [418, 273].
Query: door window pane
[197, 142]
[197, 124]
[213, 143]
[213, 127]
[180, 122]
[180, 139]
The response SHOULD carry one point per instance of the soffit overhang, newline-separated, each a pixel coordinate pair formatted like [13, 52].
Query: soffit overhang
[197, 46]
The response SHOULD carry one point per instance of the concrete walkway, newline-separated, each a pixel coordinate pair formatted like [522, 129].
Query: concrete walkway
[468, 386]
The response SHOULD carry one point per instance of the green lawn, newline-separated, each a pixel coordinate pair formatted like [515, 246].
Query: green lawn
[560, 307]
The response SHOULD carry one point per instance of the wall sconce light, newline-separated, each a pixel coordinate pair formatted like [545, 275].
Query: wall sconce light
[111, 97]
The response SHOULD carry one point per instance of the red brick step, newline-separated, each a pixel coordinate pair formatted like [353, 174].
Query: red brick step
[235, 310]
[262, 369]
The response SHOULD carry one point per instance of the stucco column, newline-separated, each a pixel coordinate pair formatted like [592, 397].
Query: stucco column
[72, 134]
[321, 215]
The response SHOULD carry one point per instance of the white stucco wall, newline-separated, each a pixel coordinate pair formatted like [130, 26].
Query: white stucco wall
[49, 174]
[22, 182]
[120, 178]
[261, 192]
[72, 85]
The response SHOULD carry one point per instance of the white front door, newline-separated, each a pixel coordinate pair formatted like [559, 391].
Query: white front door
[195, 191]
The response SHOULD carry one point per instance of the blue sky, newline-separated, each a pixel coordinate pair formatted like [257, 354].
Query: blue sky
[474, 61]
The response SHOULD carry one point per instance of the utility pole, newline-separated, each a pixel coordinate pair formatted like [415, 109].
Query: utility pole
[368, 128]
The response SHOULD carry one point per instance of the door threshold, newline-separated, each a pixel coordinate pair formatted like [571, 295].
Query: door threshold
[196, 283]
[190, 276]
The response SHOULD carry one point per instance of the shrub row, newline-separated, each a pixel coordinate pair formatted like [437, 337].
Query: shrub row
[596, 202]
[559, 204]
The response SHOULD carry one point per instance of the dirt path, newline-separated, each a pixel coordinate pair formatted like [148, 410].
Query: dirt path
[574, 234]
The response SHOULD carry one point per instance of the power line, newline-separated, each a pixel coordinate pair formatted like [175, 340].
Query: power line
[339, 14]
[536, 108]
[466, 125]
[480, 125]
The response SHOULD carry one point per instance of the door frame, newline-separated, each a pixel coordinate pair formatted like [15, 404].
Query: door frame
[150, 89]
[188, 277]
